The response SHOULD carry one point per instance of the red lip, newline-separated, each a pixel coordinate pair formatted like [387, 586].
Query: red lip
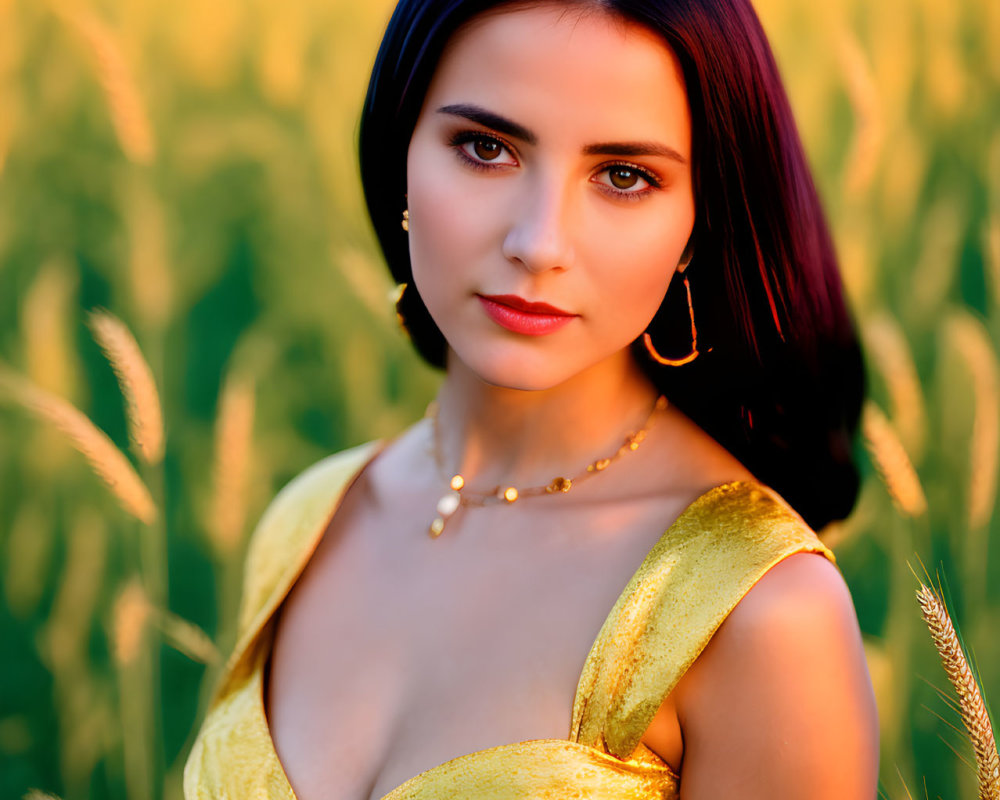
[520, 316]
[520, 304]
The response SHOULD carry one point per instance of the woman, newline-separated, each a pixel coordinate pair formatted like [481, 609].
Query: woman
[611, 243]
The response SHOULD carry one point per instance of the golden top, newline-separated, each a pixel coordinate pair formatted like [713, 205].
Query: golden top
[715, 551]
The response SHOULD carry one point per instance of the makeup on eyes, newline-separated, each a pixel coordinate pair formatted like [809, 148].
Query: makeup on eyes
[460, 138]
[463, 137]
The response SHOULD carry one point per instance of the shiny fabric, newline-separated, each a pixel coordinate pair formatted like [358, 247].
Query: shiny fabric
[685, 587]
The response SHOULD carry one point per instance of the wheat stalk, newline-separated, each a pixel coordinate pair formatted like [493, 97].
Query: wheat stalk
[64, 635]
[864, 98]
[131, 613]
[47, 308]
[970, 699]
[149, 273]
[107, 461]
[6, 134]
[128, 113]
[991, 238]
[145, 419]
[233, 442]
[887, 345]
[892, 462]
[973, 344]
[38, 794]
[188, 638]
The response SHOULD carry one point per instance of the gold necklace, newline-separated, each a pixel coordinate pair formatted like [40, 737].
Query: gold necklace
[460, 495]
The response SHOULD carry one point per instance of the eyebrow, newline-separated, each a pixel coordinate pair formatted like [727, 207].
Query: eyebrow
[633, 149]
[490, 120]
[510, 128]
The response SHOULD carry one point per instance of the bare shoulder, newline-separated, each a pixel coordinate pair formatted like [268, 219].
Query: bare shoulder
[781, 697]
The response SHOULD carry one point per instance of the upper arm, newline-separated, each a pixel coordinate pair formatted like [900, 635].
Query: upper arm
[780, 703]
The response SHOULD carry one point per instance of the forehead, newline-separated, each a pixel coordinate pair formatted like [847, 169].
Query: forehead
[583, 71]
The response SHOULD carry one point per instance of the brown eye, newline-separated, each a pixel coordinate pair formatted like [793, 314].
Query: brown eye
[487, 149]
[623, 178]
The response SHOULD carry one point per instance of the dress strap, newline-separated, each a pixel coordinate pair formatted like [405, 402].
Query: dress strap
[718, 548]
[282, 544]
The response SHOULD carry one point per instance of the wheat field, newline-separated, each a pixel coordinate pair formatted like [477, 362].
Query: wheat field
[193, 309]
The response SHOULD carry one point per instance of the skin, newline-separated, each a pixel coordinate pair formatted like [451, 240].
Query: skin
[477, 638]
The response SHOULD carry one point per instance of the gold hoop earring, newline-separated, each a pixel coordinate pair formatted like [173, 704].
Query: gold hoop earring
[406, 220]
[647, 340]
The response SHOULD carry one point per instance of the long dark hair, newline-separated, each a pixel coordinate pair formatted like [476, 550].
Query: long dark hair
[780, 380]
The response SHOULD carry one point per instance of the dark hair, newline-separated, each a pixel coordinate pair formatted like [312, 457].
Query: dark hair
[783, 384]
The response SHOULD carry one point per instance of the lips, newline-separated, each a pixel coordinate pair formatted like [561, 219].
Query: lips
[520, 304]
[523, 316]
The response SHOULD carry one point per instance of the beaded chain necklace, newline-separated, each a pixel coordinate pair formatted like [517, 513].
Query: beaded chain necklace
[460, 495]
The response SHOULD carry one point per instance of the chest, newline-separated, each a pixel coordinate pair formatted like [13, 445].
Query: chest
[394, 653]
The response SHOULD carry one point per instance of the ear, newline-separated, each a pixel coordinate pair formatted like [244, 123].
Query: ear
[686, 256]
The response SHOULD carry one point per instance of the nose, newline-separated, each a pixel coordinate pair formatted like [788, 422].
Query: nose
[539, 238]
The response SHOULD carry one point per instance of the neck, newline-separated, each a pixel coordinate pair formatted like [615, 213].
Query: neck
[500, 436]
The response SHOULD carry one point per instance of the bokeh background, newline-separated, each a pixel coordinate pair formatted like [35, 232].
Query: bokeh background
[189, 167]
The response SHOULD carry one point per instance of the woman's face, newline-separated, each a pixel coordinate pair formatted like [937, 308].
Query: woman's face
[550, 163]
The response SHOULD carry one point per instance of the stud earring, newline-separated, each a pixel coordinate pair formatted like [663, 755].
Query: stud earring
[647, 340]
[406, 220]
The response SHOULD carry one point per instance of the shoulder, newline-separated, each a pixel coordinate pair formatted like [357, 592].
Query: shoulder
[781, 695]
[293, 520]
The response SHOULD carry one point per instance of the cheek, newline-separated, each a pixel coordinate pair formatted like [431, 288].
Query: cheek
[635, 272]
[446, 230]
[435, 233]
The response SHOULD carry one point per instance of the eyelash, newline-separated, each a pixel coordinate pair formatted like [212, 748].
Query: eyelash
[464, 137]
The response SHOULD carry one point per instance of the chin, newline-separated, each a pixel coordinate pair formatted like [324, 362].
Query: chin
[509, 369]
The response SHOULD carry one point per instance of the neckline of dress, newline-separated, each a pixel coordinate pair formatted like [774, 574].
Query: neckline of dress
[372, 450]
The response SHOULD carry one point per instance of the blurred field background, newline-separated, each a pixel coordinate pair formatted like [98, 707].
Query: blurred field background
[190, 168]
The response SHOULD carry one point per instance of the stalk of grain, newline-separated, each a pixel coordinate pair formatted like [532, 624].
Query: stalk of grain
[864, 98]
[130, 615]
[145, 419]
[106, 460]
[991, 239]
[150, 280]
[892, 462]
[6, 134]
[86, 720]
[233, 445]
[136, 657]
[936, 268]
[121, 93]
[63, 638]
[46, 310]
[27, 555]
[972, 343]
[188, 638]
[970, 699]
[886, 344]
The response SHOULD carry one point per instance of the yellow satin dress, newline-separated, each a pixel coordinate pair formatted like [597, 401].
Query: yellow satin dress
[691, 579]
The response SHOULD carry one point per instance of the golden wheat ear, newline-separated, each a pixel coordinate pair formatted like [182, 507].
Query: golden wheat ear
[233, 457]
[188, 638]
[890, 354]
[118, 82]
[892, 462]
[970, 699]
[135, 378]
[131, 614]
[107, 461]
[38, 794]
[973, 344]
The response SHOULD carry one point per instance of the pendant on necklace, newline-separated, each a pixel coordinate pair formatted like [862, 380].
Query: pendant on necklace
[446, 506]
